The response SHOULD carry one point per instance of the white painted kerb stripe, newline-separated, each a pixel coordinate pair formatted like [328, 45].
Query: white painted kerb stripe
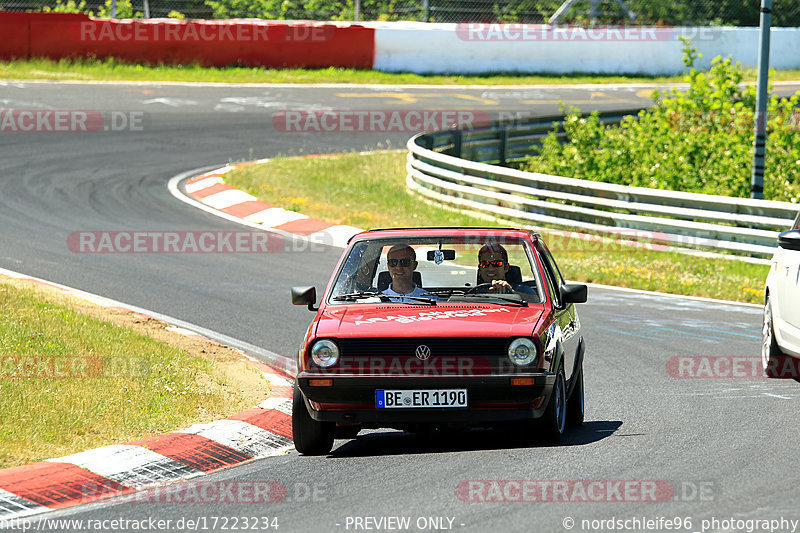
[274, 216]
[131, 465]
[224, 199]
[335, 235]
[203, 184]
[241, 436]
[284, 405]
[14, 506]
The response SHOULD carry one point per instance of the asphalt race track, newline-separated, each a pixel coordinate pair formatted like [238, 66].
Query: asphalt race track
[727, 448]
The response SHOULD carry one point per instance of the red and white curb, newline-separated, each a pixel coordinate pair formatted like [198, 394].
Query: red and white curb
[264, 430]
[211, 190]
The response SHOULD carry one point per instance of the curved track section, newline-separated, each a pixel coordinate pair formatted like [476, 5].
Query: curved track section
[724, 446]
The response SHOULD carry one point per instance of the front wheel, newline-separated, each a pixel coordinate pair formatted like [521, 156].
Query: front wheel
[310, 436]
[555, 416]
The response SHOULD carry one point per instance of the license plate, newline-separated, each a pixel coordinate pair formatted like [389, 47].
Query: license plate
[410, 399]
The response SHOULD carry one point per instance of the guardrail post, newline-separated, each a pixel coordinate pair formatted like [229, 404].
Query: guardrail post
[502, 148]
[457, 141]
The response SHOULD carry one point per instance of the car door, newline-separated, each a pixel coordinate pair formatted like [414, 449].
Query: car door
[566, 324]
[786, 300]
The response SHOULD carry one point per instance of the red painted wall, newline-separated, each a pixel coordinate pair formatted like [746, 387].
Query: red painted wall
[250, 42]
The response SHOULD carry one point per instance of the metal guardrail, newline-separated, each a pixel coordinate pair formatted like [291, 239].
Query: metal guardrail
[453, 167]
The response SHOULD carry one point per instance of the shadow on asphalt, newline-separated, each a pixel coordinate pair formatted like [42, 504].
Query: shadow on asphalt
[379, 443]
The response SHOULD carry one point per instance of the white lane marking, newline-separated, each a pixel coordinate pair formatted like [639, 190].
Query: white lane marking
[776, 396]
[172, 102]
[230, 108]
[228, 198]
[203, 184]
[182, 331]
[131, 465]
[274, 216]
[257, 101]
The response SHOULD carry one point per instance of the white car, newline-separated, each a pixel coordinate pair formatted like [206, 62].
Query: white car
[781, 331]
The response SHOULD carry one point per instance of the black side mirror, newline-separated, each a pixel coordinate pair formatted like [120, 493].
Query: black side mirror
[790, 240]
[305, 296]
[573, 293]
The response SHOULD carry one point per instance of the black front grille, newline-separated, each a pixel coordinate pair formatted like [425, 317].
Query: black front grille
[439, 346]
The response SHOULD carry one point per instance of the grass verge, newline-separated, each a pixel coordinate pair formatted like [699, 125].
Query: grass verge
[368, 191]
[113, 70]
[75, 376]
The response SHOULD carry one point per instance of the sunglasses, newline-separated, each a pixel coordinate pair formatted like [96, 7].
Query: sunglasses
[403, 262]
[487, 264]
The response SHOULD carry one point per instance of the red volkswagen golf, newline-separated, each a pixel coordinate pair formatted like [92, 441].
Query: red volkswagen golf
[425, 328]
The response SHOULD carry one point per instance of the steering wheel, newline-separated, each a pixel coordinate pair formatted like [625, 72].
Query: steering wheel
[475, 289]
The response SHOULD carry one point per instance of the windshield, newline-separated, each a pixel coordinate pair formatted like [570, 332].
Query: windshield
[438, 268]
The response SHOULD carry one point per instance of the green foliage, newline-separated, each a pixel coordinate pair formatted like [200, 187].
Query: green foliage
[698, 140]
[70, 7]
[124, 10]
[176, 15]
[309, 9]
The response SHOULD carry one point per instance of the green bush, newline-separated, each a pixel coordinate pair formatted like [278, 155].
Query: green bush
[70, 7]
[124, 10]
[699, 140]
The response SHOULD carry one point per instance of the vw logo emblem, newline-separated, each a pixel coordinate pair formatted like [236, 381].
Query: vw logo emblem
[423, 352]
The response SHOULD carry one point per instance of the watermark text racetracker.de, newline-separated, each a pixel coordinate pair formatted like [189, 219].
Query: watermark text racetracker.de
[72, 366]
[376, 120]
[732, 367]
[583, 491]
[71, 121]
[188, 242]
[202, 31]
[613, 32]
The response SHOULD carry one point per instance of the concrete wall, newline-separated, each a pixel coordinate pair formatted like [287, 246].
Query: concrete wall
[248, 42]
[483, 48]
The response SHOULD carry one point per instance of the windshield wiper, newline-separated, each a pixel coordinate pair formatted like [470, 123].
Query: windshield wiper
[360, 295]
[503, 299]
[419, 299]
[384, 297]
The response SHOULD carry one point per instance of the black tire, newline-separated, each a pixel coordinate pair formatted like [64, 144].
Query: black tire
[771, 354]
[310, 436]
[554, 421]
[575, 404]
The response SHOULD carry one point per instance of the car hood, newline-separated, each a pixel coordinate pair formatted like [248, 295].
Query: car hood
[458, 320]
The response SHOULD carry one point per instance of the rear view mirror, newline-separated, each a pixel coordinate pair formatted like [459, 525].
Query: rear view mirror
[790, 240]
[305, 296]
[446, 255]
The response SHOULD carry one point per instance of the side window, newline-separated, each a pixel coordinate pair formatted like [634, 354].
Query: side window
[553, 275]
[797, 221]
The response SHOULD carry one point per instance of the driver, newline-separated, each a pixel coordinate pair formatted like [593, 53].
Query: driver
[402, 261]
[492, 268]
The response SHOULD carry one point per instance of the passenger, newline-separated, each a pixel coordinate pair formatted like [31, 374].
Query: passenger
[402, 261]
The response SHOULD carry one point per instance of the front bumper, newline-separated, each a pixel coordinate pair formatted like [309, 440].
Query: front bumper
[351, 399]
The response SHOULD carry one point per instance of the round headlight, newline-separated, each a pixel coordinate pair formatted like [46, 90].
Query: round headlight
[522, 351]
[325, 353]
